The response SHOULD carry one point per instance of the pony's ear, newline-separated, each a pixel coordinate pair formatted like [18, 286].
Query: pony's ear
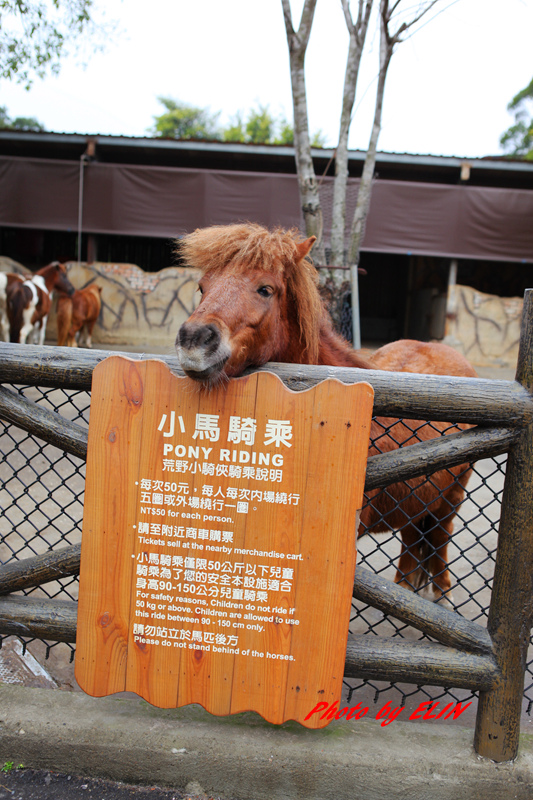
[304, 248]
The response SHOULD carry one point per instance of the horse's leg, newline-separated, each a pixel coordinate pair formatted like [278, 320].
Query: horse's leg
[83, 336]
[27, 325]
[435, 560]
[439, 529]
[4, 319]
[382, 512]
[4, 326]
[4, 322]
[71, 338]
[42, 329]
[410, 572]
[89, 333]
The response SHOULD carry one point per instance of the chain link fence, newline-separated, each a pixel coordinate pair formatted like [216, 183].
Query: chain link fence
[42, 493]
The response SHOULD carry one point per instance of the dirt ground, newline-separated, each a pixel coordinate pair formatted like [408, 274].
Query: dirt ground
[31, 784]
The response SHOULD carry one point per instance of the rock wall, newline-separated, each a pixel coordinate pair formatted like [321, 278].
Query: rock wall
[8, 265]
[138, 308]
[484, 327]
[147, 308]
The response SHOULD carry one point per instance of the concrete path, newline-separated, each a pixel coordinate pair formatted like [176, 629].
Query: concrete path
[243, 757]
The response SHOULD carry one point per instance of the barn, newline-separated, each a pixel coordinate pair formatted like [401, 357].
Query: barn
[432, 219]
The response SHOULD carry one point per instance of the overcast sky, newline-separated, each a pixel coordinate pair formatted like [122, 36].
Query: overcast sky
[447, 90]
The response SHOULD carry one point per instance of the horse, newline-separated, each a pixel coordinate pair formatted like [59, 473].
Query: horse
[29, 301]
[77, 314]
[6, 279]
[260, 302]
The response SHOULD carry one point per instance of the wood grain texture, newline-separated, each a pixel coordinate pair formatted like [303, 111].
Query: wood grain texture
[431, 618]
[425, 458]
[511, 609]
[38, 617]
[384, 659]
[399, 394]
[108, 535]
[422, 458]
[50, 566]
[297, 531]
[336, 453]
[41, 422]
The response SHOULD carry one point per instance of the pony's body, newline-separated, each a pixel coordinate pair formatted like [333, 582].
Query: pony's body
[260, 303]
[29, 302]
[77, 315]
[6, 280]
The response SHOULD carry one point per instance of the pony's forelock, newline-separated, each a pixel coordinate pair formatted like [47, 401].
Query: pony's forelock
[249, 246]
[238, 248]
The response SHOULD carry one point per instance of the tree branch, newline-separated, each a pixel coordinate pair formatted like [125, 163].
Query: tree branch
[306, 22]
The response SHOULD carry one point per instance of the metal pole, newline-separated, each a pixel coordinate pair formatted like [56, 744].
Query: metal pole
[83, 160]
[356, 323]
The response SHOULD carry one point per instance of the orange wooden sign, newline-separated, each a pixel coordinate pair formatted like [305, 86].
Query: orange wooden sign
[218, 549]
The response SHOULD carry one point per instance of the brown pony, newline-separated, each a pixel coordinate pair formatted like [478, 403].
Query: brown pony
[260, 303]
[78, 314]
[29, 302]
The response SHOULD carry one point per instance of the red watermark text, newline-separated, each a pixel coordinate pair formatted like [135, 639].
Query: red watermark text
[387, 714]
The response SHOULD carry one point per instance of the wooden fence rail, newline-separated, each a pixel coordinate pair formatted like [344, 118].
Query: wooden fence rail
[466, 655]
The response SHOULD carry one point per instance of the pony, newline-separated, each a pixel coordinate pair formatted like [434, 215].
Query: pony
[77, 314]
[260, 302]
[29, 301]
[6, 279]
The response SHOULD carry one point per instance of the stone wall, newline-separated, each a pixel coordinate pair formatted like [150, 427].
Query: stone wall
[8, 265]
[484, 327]
[138, 308]
[147, 308]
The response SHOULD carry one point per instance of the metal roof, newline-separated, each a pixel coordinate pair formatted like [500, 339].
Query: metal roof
[27, 143]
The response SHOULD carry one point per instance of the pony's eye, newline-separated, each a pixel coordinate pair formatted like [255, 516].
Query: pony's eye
[265, 291]
[200, 289]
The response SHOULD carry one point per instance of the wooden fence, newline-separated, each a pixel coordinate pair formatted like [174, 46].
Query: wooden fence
[465, 654]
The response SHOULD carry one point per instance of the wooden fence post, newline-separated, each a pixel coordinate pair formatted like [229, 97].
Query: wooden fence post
[511, 608]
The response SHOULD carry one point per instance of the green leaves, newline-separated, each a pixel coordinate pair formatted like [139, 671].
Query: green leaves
[34, 35]
[181, 121]
[517, 140]
[19, 123]
[259, 126]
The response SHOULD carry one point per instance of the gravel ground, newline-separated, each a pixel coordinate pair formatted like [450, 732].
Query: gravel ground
[31, 784]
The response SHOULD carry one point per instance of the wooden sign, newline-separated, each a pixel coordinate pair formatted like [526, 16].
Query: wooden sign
[219, 532]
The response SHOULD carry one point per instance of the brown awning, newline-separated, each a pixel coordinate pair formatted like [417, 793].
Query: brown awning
[421, 218]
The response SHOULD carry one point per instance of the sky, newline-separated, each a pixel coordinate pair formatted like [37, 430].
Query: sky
[447, 89]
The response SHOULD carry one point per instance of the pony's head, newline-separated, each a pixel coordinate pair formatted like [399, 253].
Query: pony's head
[259, 301]
[55, 277]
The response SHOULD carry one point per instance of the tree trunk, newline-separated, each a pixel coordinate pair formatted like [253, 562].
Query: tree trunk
[365, 186]
[335, 289]
[307, 182]
[357, 33]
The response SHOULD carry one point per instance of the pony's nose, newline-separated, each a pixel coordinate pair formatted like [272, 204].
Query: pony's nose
[195, 336]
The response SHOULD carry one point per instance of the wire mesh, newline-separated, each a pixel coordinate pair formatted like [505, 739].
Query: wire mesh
[42, 492]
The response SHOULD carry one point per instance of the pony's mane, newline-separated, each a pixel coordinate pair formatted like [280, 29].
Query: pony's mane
[235, 249]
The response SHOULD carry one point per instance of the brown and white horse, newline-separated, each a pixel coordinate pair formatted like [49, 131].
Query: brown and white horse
[28, 302]
[6, 279]
[77, 314]
[260, 303]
